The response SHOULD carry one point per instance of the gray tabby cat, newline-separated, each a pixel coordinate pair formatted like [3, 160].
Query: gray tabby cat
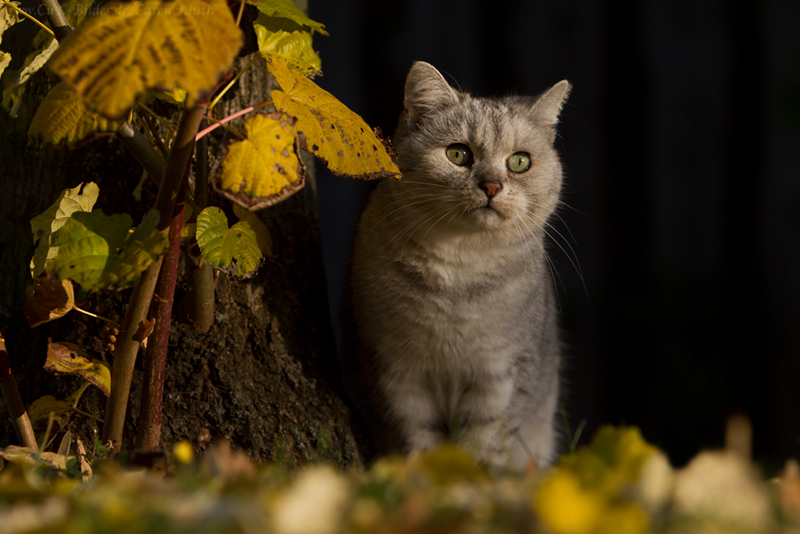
[453, 307]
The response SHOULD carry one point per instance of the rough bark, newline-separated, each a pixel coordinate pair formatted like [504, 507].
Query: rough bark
[264, 376]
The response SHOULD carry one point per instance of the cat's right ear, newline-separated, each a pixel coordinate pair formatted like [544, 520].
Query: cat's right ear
[426, 90]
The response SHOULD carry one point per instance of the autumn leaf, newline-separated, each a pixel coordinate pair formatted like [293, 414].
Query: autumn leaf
[40, 409]
[45, 46]
[31, 457]
[80, 198]
[132, 47]
[8, 17]
[63, 117]
[341, 139]
[71, 359]
[264, 168]
[220, 245]
[51, 299]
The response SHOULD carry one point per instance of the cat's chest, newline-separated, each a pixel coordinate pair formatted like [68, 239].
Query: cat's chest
[456, 315]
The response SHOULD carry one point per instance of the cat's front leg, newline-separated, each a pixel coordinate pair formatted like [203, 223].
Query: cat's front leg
[482, 424]
[414, 414]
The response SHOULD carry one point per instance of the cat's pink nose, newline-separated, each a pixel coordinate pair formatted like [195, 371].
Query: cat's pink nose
[491, 188]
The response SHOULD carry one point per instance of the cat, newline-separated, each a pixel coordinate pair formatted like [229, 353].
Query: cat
[454, 331]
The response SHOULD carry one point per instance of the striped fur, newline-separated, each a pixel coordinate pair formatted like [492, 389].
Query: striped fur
[454, 317]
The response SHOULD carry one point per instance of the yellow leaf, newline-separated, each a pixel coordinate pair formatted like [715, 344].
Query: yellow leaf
[132, 47]
[63, 117]
[329, 129]
[69, 359]
[51, 299]
[264, 168]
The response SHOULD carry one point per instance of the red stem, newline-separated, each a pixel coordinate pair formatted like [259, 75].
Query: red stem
[148, 433]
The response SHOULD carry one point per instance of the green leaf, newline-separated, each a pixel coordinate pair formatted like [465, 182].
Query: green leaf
[141, 249]
[220, 245]
[85, 244]
[293, 45]
[96, 251]
[285, 9]
[247, 252]
[80, 198]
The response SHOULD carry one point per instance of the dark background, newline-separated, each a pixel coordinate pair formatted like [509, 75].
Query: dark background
[681, 145]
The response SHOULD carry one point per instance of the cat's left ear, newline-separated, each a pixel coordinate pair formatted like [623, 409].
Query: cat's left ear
[548, 106]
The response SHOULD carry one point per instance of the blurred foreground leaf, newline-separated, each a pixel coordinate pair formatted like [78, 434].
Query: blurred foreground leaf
[133, 47]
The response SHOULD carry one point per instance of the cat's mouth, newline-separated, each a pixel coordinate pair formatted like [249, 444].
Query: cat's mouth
[487, 210]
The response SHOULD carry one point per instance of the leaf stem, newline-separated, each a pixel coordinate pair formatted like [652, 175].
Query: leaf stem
[34, 19]
[241, 12]
[233, 81]
[128, 340]
[220, 122]
[16, 408]
[90, 314]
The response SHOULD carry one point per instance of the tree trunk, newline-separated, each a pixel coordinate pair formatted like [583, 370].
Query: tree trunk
[264, 376]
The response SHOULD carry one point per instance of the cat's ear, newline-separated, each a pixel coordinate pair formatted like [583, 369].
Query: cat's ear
[426, 90]
[548, 106]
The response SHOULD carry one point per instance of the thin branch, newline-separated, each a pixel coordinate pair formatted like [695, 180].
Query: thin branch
[142, 150]
[90, 314]
[24, 14]
[163, 122]
[16, 408]
[241, 12]
[58, 20]
[220, 122]
[233, 81]
[129, 341]
[148, 120]
[148, 434]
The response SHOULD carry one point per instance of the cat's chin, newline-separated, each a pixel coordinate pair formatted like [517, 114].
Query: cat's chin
[487, 217]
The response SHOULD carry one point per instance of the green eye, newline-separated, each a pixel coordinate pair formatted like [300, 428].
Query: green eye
[519, 162]
[459, 154]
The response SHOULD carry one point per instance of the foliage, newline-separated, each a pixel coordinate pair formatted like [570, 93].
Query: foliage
[264, 168]
[604, 487]
[329, 129]
[63, 117]
[142, 45]
[221, 245]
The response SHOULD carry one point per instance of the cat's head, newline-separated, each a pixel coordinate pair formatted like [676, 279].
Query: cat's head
[477, 163]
